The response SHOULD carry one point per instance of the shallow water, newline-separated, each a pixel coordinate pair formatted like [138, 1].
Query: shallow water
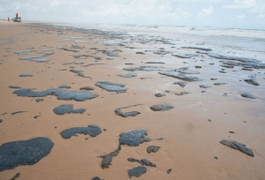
[241, 38]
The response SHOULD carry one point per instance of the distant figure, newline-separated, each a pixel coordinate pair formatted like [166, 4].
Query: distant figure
[8, 19]
[17, 15]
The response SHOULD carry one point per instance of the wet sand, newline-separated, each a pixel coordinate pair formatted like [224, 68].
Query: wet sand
[191, 131]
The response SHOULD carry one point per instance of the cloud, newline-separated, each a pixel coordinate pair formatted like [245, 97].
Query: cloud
[149, 12]
[240, 17]
[143, 12]
[134, 8]
[241, 4]
[206, 12]
[261, 16]
[259, 8]
[56, 3]
[255, 7]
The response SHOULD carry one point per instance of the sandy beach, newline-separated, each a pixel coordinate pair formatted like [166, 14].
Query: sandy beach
[210, 90]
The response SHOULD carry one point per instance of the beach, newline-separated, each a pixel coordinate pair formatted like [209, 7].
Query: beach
[208, 86]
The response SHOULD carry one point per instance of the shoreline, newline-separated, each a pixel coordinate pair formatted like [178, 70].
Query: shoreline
[210, 109]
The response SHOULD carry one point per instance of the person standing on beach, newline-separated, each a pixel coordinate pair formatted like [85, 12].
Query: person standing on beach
[8, 19]
[17, 15]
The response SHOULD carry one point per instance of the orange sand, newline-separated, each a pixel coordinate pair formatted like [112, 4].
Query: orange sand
[190, 142]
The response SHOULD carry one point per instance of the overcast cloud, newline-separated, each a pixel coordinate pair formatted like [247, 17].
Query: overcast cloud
[248, 14]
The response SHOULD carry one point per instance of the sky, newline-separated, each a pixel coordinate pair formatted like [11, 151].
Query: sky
[247, 14]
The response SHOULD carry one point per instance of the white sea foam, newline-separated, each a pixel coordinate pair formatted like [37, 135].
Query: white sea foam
[248, 43]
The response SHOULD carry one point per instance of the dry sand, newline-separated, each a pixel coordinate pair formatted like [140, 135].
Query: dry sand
[192, 131]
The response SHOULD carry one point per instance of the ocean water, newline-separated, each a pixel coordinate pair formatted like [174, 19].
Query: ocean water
[240, 42]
